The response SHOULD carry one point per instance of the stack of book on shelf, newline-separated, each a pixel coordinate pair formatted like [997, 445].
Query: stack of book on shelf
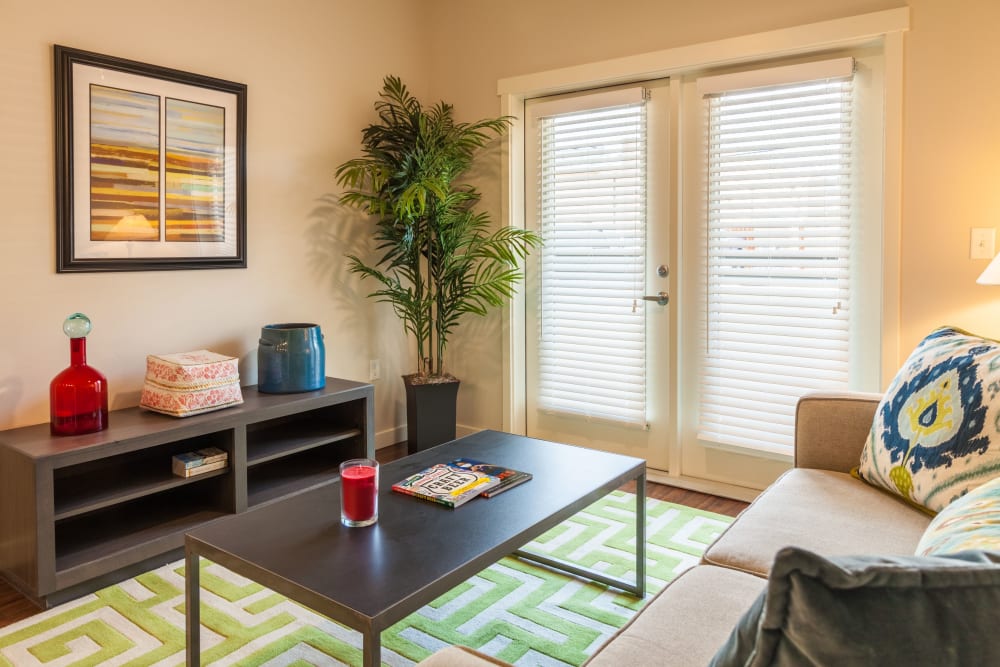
[459, 481]
[189, 464]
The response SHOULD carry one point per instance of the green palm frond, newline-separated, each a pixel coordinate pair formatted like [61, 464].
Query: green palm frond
[438, 260]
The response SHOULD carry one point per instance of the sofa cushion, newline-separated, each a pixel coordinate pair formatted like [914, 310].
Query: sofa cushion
[828, 512]
[934, 436]
[971, 522]
[685, 623]
[871, 610]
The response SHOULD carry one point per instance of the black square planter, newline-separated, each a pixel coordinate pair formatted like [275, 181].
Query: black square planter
[430, 413]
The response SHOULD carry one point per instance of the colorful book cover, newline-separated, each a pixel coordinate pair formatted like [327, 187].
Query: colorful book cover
[509, 478]
[445, 484]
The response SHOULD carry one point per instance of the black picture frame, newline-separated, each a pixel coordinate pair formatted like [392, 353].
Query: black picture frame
[125, 204]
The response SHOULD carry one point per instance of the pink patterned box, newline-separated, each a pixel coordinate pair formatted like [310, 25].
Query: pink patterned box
[189, 383]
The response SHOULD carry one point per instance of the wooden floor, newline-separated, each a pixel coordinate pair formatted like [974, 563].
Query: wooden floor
[14, 606]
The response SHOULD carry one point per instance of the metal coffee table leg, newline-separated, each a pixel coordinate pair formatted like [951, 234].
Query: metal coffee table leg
[371, 642]
[640, 535]
[638, 587]
[192, 606]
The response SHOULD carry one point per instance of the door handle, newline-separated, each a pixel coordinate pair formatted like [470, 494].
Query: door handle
[661, 298]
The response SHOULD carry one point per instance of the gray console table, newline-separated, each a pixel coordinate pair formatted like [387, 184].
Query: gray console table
[79, 512]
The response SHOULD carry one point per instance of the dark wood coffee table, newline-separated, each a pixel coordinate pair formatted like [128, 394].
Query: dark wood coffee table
[369, 578]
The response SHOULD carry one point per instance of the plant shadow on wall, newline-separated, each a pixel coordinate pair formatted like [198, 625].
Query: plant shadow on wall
[474, 352]
[334, 230]
[437, 259]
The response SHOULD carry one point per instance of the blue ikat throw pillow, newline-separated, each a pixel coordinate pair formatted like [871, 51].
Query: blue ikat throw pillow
[936, 435]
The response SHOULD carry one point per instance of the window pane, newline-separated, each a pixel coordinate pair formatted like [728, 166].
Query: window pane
[593, 215]
[779, 257]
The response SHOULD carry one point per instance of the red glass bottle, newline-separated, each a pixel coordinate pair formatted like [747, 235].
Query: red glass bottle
[78, 396]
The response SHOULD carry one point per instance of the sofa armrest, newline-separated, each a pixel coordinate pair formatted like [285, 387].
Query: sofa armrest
[831, 429]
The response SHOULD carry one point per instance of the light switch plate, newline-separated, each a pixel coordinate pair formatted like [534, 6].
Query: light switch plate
[982, 243]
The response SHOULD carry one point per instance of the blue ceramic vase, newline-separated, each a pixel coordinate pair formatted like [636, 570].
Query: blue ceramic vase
[290, 358]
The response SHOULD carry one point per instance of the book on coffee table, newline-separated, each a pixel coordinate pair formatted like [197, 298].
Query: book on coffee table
[509, 478]
[446, 484]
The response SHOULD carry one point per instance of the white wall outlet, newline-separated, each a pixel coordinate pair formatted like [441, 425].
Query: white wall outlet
[374, 369]
[982, 245]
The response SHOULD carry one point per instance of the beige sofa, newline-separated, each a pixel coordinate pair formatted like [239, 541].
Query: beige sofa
[817, 505]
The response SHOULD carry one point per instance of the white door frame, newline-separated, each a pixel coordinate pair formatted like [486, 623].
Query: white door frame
[886, 26]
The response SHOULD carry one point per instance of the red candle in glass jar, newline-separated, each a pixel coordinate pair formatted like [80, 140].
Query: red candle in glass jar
[359, 492]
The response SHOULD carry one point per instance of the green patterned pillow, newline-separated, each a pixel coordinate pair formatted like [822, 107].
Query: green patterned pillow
[935, 435]
[970, 523]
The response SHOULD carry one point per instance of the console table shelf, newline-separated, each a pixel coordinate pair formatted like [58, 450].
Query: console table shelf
[128, 532]
[292, 475]
[79, 511]
[280, 441]
[82, 500]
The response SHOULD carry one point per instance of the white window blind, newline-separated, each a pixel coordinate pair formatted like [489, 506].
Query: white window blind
[779, 240]
[592, 172]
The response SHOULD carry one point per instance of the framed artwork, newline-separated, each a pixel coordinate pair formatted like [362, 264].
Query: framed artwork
[150, 167]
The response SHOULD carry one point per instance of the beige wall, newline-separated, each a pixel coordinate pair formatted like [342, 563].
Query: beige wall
[951, 165]
[951, 161]
[313, 69]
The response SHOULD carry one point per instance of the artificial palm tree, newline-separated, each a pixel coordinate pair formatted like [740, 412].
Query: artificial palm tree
[437, 258]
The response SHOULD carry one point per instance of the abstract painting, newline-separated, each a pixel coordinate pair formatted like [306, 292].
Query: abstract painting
[150, 166]
[124, 165]
[195, 178]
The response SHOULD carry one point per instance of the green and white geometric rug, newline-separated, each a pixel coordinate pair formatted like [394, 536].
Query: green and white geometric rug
[517, 611]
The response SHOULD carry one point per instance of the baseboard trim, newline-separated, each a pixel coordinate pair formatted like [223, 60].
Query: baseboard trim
[462, 430]
[722, 489]
[392, 436]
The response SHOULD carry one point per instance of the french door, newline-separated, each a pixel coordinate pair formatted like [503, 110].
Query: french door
[597, 295]
[768, 219]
